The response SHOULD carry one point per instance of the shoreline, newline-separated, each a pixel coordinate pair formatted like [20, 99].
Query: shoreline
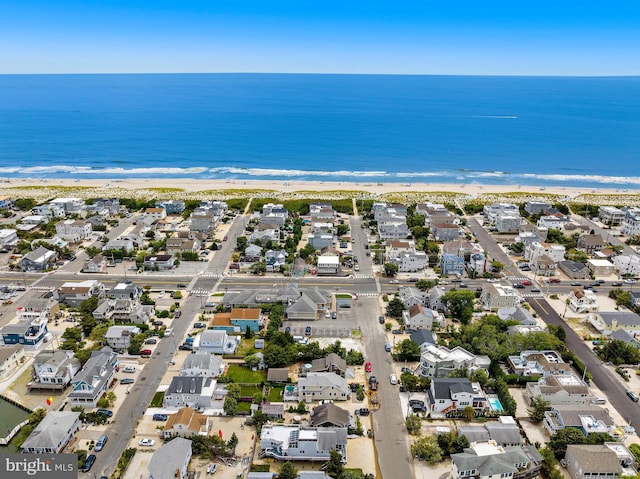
[189, 188]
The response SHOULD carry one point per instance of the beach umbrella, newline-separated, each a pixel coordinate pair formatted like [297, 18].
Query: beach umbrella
[49, 400]
[220, 433]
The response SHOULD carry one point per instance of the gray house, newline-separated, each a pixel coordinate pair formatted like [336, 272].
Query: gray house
[323, 386]
[589, 461]
[53, 433]
[298, 443]
[39, 259]
[94, 378]
[170, 461]
[202, 364]
[195, 392]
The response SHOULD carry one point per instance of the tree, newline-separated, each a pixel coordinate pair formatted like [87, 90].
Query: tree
[408, 350]
[452, 443]
[427, 449]
[335, 468]
[233, 390]
[460, 304]
[288, 471]
[414, 424]
[390, 269]
[252, 361]
[468, 413]
[537, 408]
[241, 243]
[232, 443]
[248, 334]
[425, 284]
[559, 441]
[230, 406]
[395, 308]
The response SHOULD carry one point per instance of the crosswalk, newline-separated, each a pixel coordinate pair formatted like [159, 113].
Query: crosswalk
[363, 276]
[532, 295]
[200, 292]
[368, 294]
[41, 288]
[516, 278]
[211, 274]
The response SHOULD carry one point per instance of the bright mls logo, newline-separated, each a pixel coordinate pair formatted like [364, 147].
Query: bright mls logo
[45, 466]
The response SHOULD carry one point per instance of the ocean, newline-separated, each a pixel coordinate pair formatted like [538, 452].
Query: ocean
[555, 131]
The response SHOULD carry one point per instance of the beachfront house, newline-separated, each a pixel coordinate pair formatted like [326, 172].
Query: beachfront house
[55, 431]
[54, 369]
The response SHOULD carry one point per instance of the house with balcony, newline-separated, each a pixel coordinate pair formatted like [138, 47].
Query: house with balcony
[440, 361]
[556, 221]
[203, 364]
[275, 260]
[105, 207]
[627, 264]
[161, 262]
[505, 432]
[393, 229]
[535, 207]
[318, 386]
[411, 296]
[496, 296]
[70, 206]
[301, 443]
[445, 231]
[536, 250]
[610, 215]
[538, 363]
[487, 460]
[331, 363]
[54, 369]
[419, 317]
[30, 333]
[124, 245]
[328, 264]
[119, 337]
[479, 263]
[583, 301]
[451, 264]
[171, 207]
[11, 357]
[631, 223]
[39, 259]
[275, 214]
[55, 431]
[449, 396]
[586, 418]
[6, 203]
[48, 212]
[94, 378]
[321, 240]
[588, 461]
[203, 222]
[215, 342]
[187, 422]
[8, 238]
[72, 293]
[559, 388]
[190, 391]
[590, 243]
[171, 460]
[182, 245]
[74, 231]
[123, 311]
[322, 212]
[266, 233]
[608, 322]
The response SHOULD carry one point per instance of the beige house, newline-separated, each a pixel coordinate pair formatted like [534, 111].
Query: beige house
[187, 422]
[583, 301]
[495, 296]
[600, 267]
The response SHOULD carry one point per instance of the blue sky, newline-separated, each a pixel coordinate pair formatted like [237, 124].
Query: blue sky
[513, 37]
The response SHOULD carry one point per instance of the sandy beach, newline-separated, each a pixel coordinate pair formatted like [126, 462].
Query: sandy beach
[186, 188]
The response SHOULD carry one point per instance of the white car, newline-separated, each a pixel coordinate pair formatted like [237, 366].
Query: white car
[161, 294]
[168, 331]
[146, 442]
[629, 280]
[394, 281]
[129, 369]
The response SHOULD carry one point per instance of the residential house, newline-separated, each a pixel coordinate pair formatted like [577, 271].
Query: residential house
[72, 293]
[320, 240]
[393, 229]
[74, 231]
[191, 391]
[187, 422]
[171, 460]
[274, 214]
[495, 296]
[182, 245]
[627, 265]
[39, 259]
[215, 342]
[558, 388]
[162, 262]
[487, 460]
[600, 267]
[328, 264]
[94, 378]
[396, 247]
[538, 363]
[588, 461]
[610, 215]
[556, 221]
[53, 433]
[6, 203]
[608, 322]
[278, 375]
[590, 243]
[505, 432]
[203, 364]
[419, 317]
[586, 418]
[42, 308]
[440, 361]
[274, 411]
[299, 443]
[625, 336]
[28, 223]
[70, 206]
[574, 270]
[411, 261]
[125, 290]
[151, 215]
[507, 223]
[435, 299]
[461, 247]
[331, 363]
[54, 369]
[423, 338]
[124, 245]
[123, 311]
[205, 222]
[171, 207]
[479, 263]
[8, 238]
[544, 266]
[449, 396]
[322, 212]
[266, 233]
[275, 260]
[451, 264]
[323, 386]
[411, 296]
[329, 415]
[11, 357]
[583, 301]
[445, 231]
[631, 223]
[536, 207]
[528, 237]
[119, 337]
[535, 251]
[49, 211]
[29, 333]
[97, 264]
[111, 206]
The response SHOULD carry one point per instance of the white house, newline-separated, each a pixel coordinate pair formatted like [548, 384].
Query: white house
[323, 386]
[328, 264]
[583, 301]
[631, 224]
[215, 342]
[600, 267]
[72, 293]
[54, 369]
[440, 361]
[536, 250]
[70, 206]
[627, 264]
[419, 317]
[74, 231]
[610, 215]
[119, 337]
[192, 391]
[451, 395]
[299, 443]
[202, 364]
[8, 238]
[487, 460]
[496, 296]
[53, 433]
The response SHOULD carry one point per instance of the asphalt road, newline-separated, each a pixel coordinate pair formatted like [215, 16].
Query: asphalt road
[602, 376]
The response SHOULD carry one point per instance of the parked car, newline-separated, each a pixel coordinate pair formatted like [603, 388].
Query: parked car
[633, 396]
[363, 411]
[86, 466]
[104, 412]
[186, 347]
[199, 325]
[367, 367]
[145, 352]
[629, 280]
[127, 381]
[393, 379]
[406, 370]
[160, 417]
[553, 280]
[146, 442]
[168, 331]
[129, 369]
[157, 323]
[381, 319]
[150, 341]
[518, 286]
[334, 315]
[387, 347]
[102, 440]
[307, 330]
[396, 331]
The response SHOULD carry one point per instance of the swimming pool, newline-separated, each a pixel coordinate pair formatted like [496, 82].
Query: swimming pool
[496, 405]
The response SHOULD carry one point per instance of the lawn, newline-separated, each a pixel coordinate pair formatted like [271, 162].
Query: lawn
[157, 399]
[243, 407]
[246, 347]
[275, 394]
[240, 374]
[249, 390]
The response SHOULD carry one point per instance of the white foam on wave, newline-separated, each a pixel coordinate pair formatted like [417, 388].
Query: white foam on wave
[291, 173]
[584, 178]
[87, 170]
[496, 117]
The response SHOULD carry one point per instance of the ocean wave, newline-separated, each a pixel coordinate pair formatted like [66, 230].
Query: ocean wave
[292, 173]
[583, 178]
[497, 117]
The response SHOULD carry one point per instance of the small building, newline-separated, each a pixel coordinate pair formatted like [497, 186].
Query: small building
[329, 415]
[72, 293]
[215, 342]
[162, 262]
[190, 391]
[588, 461]
[171, 460]
[97, 264]
[299, 443]
[203, 364]
[583, 301]
[119, 337]
[590, 243]
[451, 264]
[328, 264]
[187, 422]
[54, 432]
[600, 267]
[244, 318]
[331, 363]
[8, 238]
[274, 411]
[11, 357]
[171, 207]
[278, 375]
[574, 270]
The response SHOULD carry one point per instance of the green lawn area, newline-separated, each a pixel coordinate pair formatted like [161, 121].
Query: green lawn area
[249, 391]
[157, 399]
[275, 394]
[244, 407]
[240, 374]
[246, 347]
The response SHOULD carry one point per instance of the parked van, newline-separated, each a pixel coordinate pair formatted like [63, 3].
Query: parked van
[102, 440]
